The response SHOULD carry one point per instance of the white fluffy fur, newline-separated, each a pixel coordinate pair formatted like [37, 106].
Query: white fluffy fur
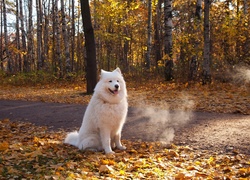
[104, 117]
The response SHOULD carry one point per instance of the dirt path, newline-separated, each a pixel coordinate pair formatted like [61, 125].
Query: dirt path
[208, 131]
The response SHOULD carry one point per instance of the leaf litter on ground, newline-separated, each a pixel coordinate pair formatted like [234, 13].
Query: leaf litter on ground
[217, 97]
[34, 152]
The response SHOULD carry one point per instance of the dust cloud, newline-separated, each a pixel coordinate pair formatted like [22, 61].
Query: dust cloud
[164, 122]
[242, 75]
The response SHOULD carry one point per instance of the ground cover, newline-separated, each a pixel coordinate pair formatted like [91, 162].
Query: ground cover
[34, 152]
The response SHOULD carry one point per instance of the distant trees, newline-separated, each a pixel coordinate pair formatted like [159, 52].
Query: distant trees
[171, 38]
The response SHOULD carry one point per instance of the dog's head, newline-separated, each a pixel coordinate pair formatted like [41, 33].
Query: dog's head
[111, 86]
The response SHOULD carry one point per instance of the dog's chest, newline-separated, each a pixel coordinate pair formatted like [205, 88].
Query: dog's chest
[112, 114]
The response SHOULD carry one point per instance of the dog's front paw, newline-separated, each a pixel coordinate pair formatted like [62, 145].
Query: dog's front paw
[121, 147]
[110, 152]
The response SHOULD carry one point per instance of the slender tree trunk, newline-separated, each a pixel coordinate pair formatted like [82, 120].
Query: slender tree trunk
[247, 41]
[168, 26]
[57, 42]
[206, 76]
[245, 7]
[73, 35]
[54, 57]
[198, 10]
[149, 40]
[18, 45]
[30, 35]
[91, 69]
[78, 45]
[39, 35]
[24, 46]
[157, 44]
[1, 34]
[6, 40]
[197, 21]
[65, 39]
[46, 9]
[126, 49]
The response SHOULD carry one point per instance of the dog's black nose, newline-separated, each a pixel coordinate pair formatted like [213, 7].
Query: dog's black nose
[116, 86]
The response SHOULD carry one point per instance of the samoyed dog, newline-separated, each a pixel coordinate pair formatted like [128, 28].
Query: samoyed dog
[104, 117]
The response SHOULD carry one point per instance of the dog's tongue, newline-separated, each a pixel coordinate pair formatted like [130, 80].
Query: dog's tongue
[115, 91]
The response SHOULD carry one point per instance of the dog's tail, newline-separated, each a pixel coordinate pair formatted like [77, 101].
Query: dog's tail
[72, 138]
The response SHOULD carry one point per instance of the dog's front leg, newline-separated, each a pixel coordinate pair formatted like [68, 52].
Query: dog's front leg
[106, 140]
[118, 142]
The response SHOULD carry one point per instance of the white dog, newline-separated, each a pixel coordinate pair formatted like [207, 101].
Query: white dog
[104, 117]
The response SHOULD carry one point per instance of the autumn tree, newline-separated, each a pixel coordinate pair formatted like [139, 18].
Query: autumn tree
[157, 35]
[206, 74]
[193, 65]
[65, 38]
[40, 60]
[30, 41]
[168, 26]
[23, 37]
[6, 40]
[47, 37]
[1, 35]
[149, 40]
[91, 68]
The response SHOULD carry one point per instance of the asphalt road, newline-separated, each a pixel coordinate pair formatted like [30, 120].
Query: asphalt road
[201, 130]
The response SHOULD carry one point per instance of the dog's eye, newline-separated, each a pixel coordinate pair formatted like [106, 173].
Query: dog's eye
[117, 80]
[110, 81]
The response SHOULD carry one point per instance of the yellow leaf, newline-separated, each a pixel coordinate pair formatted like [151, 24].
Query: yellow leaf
[104, 162]
[180, 176]
[4, 146]
[122, 172]
[105, 169]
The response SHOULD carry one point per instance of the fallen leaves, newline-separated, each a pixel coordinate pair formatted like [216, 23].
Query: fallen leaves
[32, 152]
[223, 98]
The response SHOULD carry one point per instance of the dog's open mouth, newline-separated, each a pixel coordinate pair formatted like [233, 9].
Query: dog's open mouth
[113, 91]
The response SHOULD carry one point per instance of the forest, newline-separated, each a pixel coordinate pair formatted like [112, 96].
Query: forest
[180, 40]
[187, 69]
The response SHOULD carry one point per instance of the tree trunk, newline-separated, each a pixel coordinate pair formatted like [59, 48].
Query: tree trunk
[198, 10]
[73, 35]
[245, 7]
[168, 40]
[1, 34]
[6, 40]
[18, 45]
[247, 41]
[53, 49]
[57, 41]
[46, 34]
[206, 76]
[91, 69]
[226, 44]
[24, 46]
[157, 43]
[39, 35]
[65, 39]
[193, 63]
[30, 35]
[149, 40]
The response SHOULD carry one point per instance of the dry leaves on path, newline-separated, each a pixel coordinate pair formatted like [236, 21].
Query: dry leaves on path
[31, 152]
[223, 98]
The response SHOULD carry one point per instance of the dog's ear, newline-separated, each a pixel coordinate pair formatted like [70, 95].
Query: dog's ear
[118, 70]
[102, 73]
